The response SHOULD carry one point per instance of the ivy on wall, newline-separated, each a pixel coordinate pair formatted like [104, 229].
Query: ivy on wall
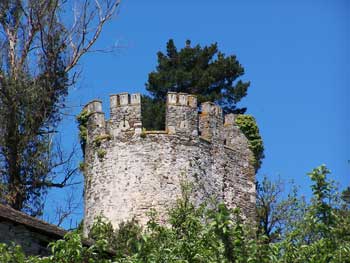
[247, 124]
[82, 120]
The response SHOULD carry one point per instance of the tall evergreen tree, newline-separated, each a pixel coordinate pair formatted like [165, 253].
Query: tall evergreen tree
[203, 71]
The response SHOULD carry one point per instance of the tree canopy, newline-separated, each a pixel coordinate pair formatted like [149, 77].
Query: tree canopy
[211, 76]
[203, 71]
[214, 233]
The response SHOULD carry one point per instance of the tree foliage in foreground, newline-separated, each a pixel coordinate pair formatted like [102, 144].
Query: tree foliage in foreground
[41, 42]
[202, 234]
[277, 213]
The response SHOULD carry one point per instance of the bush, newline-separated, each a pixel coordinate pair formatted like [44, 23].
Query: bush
[211, 233]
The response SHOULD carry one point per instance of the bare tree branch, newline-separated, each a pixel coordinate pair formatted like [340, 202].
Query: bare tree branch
[80, 47]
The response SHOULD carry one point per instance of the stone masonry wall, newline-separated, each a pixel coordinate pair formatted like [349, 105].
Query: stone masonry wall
[129, 171]
[32, 242]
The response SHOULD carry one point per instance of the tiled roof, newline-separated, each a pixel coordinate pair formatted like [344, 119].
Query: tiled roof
[9, 214]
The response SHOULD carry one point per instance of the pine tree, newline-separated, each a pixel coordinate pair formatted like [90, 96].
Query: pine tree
[203, 71]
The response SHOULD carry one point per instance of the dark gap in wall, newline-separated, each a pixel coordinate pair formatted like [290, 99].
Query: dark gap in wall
[152, 113]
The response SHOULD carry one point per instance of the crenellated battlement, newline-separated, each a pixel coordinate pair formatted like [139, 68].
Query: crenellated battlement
[210, 108]
[181, 114]
[129, 170]
[124, 99]
[183, 117]
[181, 99]
[94, 106]
[96, 120]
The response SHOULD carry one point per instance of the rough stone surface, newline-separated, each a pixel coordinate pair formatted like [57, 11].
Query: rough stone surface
[129, 171]
[32, 243]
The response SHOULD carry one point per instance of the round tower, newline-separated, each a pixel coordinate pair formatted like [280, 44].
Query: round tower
[128, 170]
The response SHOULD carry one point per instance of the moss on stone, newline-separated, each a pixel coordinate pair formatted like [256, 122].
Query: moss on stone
[98, 140]
[101, 153]
[143, 133]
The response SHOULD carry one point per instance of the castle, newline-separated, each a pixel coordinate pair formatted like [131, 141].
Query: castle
[129, 170]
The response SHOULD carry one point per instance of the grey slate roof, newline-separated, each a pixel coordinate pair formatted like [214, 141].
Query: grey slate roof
[9, 214]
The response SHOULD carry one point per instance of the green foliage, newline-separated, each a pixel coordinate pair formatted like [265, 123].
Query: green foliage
[248, 126]
[319, 236]
[276, 214]
[11, 254]
[346, 195]
[82, 166]
[153, 113]
[38, 50]
[29, 116]
[127, 238]
[212, 232]
[143, 133]
[203, 71]
[72, 248]
[33, 89]
[207, 73]
[203, 234]
[322, 213]
[99, 139]
[101, 153]
[82, 120]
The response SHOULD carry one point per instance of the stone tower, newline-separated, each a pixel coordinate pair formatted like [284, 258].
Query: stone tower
[128, 170]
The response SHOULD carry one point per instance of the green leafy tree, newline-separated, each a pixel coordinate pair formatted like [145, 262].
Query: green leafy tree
[276, 214]
[345, 196]
[40, 48]
[11, 254]
[127, 238]
[204, 71]
[318, 236]
[211, 232]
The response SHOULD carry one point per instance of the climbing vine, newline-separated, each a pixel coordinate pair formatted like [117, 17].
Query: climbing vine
[248, 126]
[82, 120]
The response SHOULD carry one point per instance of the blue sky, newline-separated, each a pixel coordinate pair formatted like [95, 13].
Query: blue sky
[296, 54]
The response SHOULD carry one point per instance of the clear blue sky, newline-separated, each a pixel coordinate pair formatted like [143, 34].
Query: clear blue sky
[295, 53]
